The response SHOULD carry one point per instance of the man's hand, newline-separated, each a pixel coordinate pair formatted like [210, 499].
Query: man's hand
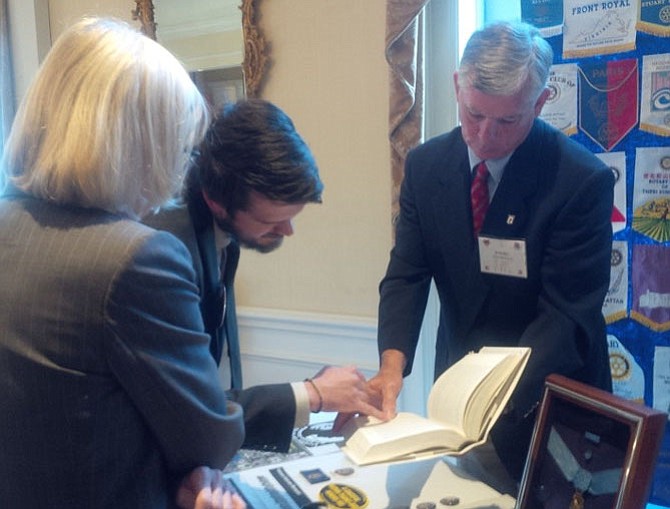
[205, 488]
[382, 389]
[343, 389]
[387, 383]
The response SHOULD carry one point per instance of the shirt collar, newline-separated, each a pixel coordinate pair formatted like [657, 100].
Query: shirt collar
[221, 238]
[496, 167]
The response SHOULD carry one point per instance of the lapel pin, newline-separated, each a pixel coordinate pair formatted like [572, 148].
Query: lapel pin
[510, 218]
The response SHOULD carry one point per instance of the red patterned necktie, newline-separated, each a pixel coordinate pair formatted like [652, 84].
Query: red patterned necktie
[479, 195]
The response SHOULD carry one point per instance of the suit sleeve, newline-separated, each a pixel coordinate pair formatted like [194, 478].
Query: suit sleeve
[160, 354]
[567, 335]
[404, 289]
[269, 414]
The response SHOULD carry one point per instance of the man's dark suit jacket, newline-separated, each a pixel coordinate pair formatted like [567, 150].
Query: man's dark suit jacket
[107, 388]
[269, 410]
[555, 195]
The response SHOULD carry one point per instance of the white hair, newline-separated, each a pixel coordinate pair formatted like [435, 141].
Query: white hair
[503, 57]
[109, 122]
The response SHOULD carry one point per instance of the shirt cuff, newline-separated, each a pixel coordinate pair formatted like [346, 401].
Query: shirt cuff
[301, 404]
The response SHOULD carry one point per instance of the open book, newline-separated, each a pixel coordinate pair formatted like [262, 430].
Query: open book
[463, 405]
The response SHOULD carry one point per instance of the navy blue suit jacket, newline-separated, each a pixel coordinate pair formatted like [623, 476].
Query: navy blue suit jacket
[108, 392]
[269, 410]
[555, 195]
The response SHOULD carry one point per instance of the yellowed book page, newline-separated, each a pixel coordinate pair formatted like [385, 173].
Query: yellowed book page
[451, 392]
[485, 380]
[407, 433]
[487, 407]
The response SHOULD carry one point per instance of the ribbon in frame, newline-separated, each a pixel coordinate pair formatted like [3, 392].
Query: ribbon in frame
[602, 482]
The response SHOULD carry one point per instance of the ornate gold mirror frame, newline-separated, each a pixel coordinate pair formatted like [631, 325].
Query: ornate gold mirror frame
[255, 47]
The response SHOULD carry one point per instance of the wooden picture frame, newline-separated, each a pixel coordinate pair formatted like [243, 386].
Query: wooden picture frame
[590, 450]
[144, 13]
[220, 86]
[256, 48]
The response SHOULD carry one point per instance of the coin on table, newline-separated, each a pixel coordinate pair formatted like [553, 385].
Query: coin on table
[425, 505]
[450, 500]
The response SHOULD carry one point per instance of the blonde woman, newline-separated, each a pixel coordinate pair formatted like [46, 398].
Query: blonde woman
[108, 392]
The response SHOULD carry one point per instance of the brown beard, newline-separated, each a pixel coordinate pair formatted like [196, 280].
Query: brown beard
[227, 226]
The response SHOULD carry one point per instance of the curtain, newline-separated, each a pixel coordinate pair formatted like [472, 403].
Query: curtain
[402, 48]
[6, 76]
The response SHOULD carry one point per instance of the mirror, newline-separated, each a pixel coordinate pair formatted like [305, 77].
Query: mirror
[219, 42]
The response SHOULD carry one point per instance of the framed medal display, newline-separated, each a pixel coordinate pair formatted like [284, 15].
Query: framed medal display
[590, 450]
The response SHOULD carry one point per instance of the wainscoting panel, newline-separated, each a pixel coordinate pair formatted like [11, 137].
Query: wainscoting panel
[282, 346]
[279, 346]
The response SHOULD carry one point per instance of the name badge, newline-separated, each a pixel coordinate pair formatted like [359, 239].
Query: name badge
[505, 257]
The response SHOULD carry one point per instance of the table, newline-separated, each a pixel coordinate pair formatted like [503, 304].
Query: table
[423, 484]
[320, 471]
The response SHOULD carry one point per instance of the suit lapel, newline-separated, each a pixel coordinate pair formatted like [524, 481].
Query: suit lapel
[510, 209]
[210, 302]
[452, 205]
[203, 225]
[230, 324]
[452, 208]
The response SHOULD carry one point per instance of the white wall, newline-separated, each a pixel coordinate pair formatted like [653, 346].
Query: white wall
[30, 39]
[34, 24]
[62, 13]
[329, 74]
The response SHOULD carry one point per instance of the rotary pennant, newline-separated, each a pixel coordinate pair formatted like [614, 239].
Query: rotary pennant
[616, 161]
[655, 108]
[651, 193]
[655, 17]
[651, 286]
[615, 306]
[608, 104]
[547, 15]
[560, 110]
[598, 28]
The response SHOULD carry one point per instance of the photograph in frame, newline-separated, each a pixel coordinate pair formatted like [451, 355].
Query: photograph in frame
[590, 450]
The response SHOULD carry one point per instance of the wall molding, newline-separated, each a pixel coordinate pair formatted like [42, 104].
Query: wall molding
[307, 339]
[287, 346]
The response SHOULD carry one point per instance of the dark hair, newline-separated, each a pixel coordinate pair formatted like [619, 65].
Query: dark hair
[252, 145]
